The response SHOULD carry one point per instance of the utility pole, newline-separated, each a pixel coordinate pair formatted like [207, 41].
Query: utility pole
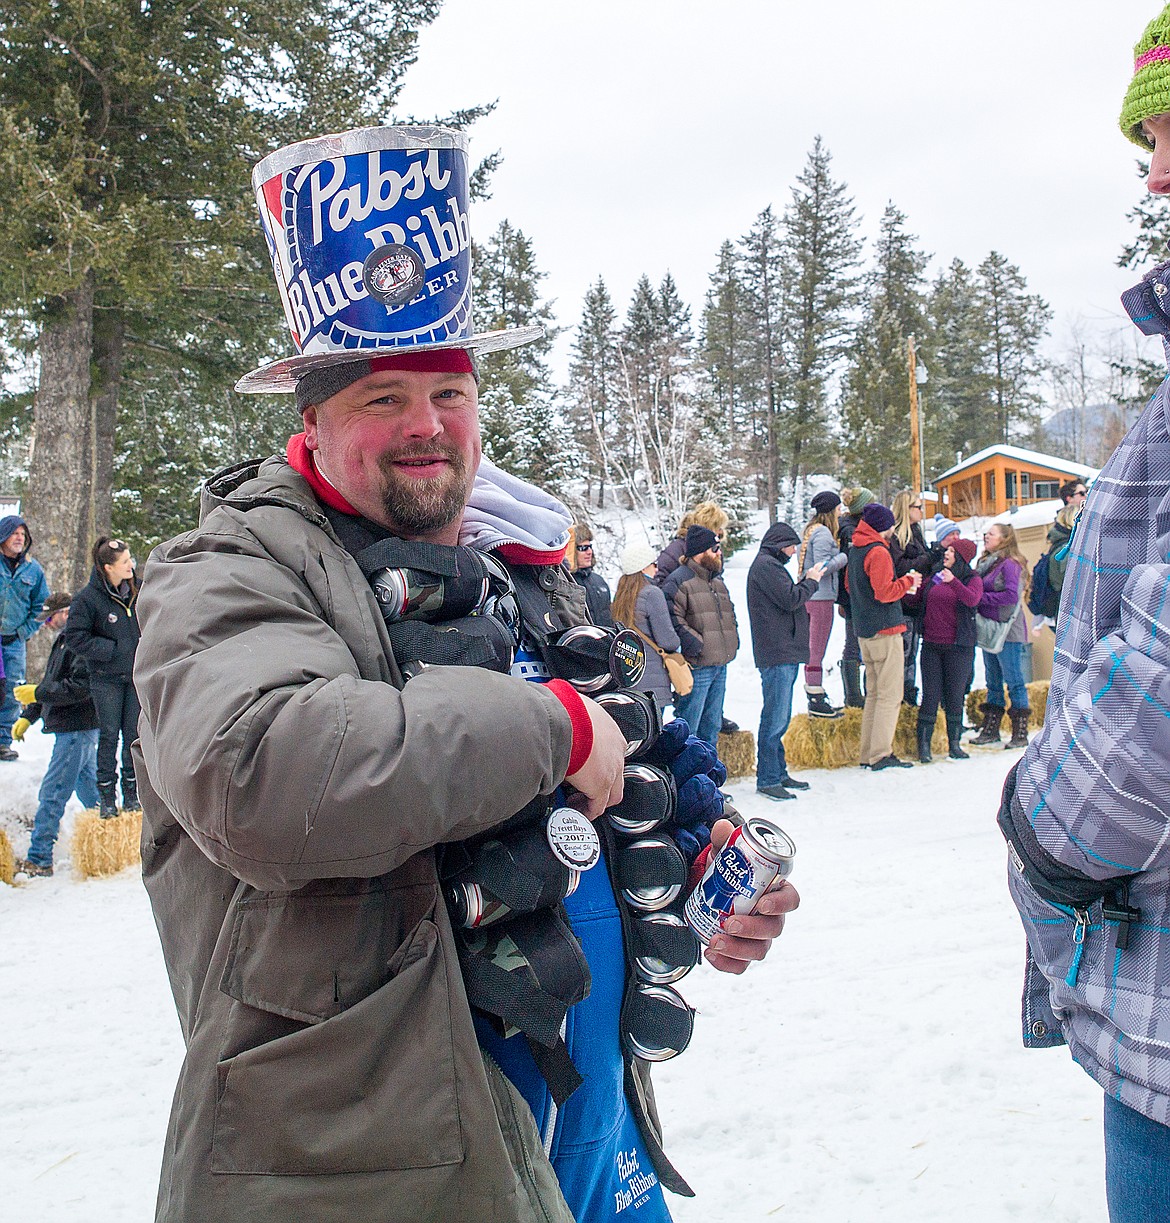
[915, 449]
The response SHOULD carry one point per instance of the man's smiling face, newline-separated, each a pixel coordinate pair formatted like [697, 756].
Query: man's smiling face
[403, 448]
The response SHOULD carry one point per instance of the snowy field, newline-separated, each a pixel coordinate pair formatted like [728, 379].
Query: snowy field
[870, 1072]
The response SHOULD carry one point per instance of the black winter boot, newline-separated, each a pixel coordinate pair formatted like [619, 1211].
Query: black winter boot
[108, 803]
[1019, 719]
[851, 678]
[955, 737]
[925, 734]
[130, 795]
[989, 732]
[819, 705]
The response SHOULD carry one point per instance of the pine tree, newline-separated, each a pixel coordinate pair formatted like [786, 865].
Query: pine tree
[763, 274]
[128, 237]
[875, 401]
[595, 387]
[821, 251]
[1016, 322]
[957, 411]
[728, 349]
[521, 431]
[1151, 215]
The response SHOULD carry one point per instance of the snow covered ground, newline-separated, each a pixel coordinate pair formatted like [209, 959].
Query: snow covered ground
[869, 1072]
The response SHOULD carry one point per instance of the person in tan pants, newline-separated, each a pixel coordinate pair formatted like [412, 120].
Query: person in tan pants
[875, 596]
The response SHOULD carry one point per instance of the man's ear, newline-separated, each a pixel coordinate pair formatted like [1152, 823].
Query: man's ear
[309, 416]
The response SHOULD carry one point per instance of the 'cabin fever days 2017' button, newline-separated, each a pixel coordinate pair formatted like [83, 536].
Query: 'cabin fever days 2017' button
[573, 839]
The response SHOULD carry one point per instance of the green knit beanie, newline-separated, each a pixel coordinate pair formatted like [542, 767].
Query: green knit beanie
[1149, 91]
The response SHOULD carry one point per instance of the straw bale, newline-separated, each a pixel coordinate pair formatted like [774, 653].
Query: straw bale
[738, 752]
[1037, 699]
[835, 743]
[105, 847]
[7, 859]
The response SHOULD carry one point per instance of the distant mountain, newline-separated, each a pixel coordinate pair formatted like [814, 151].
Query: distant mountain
[1090, 434]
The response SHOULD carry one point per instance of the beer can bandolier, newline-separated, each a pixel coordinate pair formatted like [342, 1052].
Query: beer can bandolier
[521, 962]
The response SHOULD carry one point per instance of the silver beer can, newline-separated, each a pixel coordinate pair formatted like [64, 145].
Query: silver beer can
[754, 856]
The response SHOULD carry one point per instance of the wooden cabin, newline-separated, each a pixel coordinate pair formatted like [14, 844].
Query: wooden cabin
[1004, 478]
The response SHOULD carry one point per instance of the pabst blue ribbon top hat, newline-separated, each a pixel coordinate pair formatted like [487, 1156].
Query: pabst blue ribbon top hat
[371, 248]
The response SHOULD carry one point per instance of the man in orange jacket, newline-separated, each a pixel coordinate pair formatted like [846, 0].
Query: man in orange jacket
[875, 599]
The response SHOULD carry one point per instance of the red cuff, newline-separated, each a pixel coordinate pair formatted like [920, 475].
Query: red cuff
[697, 869]
[582, 724]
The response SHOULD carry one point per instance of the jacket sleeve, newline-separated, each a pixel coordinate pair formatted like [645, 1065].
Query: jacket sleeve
[969, 592]
[661, 626]
[781, 591]
[880, 567]
[40, 594]
[70, 687]
[1009, 596]
[279, 759]
[1092, 795]
[80, 636]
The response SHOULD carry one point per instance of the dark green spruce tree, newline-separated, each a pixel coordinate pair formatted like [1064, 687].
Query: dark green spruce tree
[130, 256]
[595, 390]
[729, 350]
[522, 432]
[821, 251]
[875, 396]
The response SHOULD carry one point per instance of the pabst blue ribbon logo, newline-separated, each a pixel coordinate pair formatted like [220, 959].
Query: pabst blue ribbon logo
[372, 250]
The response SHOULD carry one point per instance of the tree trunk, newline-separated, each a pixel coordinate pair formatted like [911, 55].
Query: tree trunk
[59, 499]
[109, 338]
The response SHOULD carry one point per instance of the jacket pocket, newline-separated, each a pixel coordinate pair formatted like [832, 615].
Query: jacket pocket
[370, 1089]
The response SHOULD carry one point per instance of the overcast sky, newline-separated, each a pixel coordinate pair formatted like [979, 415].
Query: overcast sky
[637, 136]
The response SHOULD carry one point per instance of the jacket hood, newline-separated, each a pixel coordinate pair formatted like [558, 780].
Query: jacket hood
[864, 535]
[779, 535]
[8, 524]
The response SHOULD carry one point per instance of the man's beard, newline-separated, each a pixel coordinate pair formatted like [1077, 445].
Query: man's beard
[711, 563]
[421, 507]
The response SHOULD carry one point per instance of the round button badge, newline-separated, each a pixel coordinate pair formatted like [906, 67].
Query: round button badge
[573, 839]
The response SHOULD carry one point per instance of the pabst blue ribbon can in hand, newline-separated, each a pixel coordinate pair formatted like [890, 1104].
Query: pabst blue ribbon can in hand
[755, 855]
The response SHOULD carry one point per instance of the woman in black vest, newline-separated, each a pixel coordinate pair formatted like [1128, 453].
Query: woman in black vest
[103, 629]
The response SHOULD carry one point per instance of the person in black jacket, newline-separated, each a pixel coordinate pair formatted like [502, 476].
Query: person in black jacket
[780, 635]
[61, 701]
[597, 593]
[103, 629]
[911, 554]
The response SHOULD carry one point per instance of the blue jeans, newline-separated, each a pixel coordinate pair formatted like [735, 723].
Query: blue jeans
[117, 709]
[702, 707]
[1137, 1166]
[72, 769]
[777, 682]
[1007, 667]
[14, 662]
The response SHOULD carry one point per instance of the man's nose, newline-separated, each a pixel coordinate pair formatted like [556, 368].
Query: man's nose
[421, 419]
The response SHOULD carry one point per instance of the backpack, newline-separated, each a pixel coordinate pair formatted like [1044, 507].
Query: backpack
[1043, 601]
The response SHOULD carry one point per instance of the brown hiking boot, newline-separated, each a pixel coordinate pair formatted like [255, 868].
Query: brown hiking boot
[34, 870]
[989, 731]
[1019, 719]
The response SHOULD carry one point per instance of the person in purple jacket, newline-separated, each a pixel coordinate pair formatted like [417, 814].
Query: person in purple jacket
[948, 646]
[1005, 573]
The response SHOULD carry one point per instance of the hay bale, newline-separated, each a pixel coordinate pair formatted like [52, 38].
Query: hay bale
[1037, 700]
[835, 743]
[105, 847]
[738, 753]
[7, 860]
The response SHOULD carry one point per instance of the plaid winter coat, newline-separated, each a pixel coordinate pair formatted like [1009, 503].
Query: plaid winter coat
[1087, 810]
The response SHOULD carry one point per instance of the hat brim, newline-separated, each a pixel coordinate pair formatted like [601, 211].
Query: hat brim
[281, 377]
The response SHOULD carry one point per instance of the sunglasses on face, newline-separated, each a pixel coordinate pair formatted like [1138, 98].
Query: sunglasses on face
[584, 547]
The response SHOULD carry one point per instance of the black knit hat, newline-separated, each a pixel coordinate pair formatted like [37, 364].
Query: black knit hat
[825, 502]
[699, 540]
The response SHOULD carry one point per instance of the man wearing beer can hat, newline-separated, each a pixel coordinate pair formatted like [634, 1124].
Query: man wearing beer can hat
[323, 731]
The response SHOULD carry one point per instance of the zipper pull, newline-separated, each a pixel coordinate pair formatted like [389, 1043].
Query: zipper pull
[1079, 930]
